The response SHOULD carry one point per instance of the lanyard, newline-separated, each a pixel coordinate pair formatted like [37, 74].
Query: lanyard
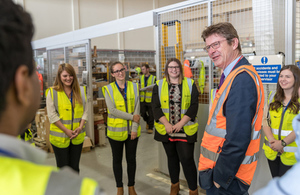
[230, 71]
[125, 89]
[7, 153]
[281, 121]
[71, 97]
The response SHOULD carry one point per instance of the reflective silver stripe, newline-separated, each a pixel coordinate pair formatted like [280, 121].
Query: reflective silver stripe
[183, 111]
[160, 83]
[69, 122]
[190, 123]
[250, 159]
[152, 79]
[165, 110]
[117, 129]
[55, 100]
[271, 97]
[189, 82]
[82, 96]
[177, 135]
[112, 116]
[283, 132]
[214, 156]
[290, 149]
[209, 154]
[110, 91]
[255, 135]
[148, 96]
[63, 135]
[215, 131]
[58, 134]
[135, 89]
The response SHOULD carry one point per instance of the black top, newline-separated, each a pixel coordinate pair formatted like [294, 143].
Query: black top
[191, 112]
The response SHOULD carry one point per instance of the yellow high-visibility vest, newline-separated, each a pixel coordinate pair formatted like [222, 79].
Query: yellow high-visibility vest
[288, 156]
[117, 128]
[146, 96]
[69, 116]
[190, 128]
[17, 176]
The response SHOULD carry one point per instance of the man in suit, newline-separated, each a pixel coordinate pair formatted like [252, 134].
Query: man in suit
[230, 144]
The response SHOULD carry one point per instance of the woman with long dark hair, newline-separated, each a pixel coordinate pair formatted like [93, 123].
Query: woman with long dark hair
[175, 107]
[283, 105]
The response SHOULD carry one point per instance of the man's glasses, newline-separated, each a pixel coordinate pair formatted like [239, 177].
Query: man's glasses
[173, 67]
[214, 45]
[118, 71]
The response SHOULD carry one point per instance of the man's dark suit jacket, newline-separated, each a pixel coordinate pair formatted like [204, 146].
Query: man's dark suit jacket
[239, 110]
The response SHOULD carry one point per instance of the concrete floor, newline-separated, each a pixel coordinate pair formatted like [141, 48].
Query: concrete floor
[97, 164]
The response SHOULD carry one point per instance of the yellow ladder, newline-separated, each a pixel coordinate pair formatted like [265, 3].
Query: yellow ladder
[177, 47]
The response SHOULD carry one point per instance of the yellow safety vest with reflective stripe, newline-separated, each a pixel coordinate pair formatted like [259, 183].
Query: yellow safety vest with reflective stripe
[147, 98]
[117, 128]
[69, 116]
[288, 156]
[28, 137]
[17, 176]
[190, 128]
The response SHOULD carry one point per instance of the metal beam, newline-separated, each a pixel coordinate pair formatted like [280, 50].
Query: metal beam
[290, 31]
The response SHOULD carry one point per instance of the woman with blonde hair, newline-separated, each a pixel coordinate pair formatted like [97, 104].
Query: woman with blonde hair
[67, 114]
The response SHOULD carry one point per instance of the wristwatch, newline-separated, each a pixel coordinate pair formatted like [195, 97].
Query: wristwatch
[283, 143]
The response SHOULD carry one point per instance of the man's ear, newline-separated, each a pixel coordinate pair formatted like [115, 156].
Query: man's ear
[22, 85]
[235, 43]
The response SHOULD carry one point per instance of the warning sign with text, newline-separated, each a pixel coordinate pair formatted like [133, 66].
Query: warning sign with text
[268, 73]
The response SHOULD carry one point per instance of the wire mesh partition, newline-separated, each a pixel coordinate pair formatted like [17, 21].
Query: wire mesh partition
[259, 23]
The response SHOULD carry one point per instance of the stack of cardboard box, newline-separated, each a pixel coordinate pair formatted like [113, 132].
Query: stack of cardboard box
[100, 116]
[43, 129]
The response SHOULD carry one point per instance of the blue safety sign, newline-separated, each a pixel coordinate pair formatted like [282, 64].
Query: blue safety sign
[268, 73]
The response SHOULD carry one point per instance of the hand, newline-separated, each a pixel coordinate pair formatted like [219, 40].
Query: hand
[276, 146]
[217, 185]
[136, 118]
[70, 133]
[133, 135]
[169, 128]
[77, 131]
[177, 127]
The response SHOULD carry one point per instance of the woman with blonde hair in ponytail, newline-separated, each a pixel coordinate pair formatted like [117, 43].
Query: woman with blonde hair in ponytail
[67, 114]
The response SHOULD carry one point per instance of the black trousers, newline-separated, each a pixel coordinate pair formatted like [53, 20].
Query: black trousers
[277, 168]
[69, 156]
[235, 188]
[147, 114]
[181, 152]
[117, 152]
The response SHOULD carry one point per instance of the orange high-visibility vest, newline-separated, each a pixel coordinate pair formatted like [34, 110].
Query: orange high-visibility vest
[40, 76]
[187, 69]
[215, 130]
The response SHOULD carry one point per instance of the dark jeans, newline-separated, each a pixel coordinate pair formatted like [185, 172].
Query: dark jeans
[69, 156]
[236, 188]
[181, 152]
[147, 114]
[117, 152]
[277, 168]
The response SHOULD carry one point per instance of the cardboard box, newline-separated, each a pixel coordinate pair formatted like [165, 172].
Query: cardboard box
[87, 144]
[98, 117]
[102, 83]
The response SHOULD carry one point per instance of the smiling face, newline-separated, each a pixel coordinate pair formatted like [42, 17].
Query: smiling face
[173, 70]
[222, 54]
[118, 72]
[66, 79]
[286, 80]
